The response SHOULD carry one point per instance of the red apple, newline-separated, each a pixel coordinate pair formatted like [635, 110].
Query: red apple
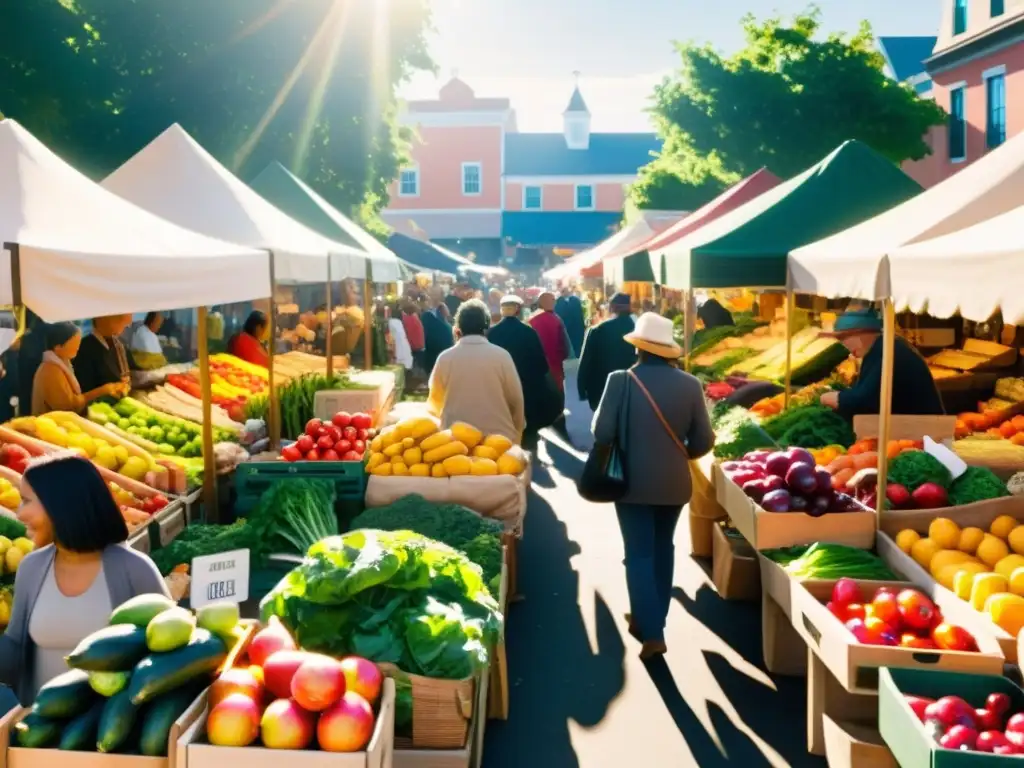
[234, 722]
[279, 669]
[313, 427]
[313, 455]
[362, 434]
[885, 607]
[915, 609]
[274, 637]
[879, 632]
[291, 453]
[960, 737]
[235, 680]
[919, 705]
[352, 456]
[286, 725]
[989, 740]
[349, 433]
[341, 419]
[950, 637]
[986, 720]
[846, 591]
[1015, 730]
[305, 444]
[343, 446]
[363, 677]
[998, 703]
[1005, 749]
[950, 711]
[359, 446]
[362, 421]
[910, 640]
[330, 455]
[325, 444]
[859, 631]
[318, 683]
[839, 611]
[333, 432]
[347, 725]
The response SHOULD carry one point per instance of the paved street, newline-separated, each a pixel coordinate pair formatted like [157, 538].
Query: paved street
[579, 694]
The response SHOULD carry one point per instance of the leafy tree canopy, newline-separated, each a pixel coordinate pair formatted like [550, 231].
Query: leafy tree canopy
[310, 83]
[784, 101]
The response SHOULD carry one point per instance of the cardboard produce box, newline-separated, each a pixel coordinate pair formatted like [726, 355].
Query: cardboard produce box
[772, 530]
[855, 745]
[194, 751]
[13, 756]
[734, 568]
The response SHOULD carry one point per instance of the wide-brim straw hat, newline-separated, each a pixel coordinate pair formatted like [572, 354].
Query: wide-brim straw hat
[653, 334]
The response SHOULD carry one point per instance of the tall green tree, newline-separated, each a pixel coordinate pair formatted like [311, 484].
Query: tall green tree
[784, 101]
[310, 83]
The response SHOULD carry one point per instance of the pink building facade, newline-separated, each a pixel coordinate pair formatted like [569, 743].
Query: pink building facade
[478, 186]
[976, 69]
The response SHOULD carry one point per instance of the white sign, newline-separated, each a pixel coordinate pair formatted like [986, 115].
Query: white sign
[220, 577]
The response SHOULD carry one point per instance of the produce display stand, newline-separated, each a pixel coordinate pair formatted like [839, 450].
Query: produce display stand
[161, 529]
[253, 478]
[734, 568]
[193, 751]
[497, 702]
[704, 509]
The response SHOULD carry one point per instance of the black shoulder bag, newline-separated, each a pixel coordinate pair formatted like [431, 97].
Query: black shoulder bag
[604, 474]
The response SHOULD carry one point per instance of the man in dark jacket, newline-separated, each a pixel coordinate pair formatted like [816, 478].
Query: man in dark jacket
[570, 309]
[437, 333]
[605, 351]
[541, 397]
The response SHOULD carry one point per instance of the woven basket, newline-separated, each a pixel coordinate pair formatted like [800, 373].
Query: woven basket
[441, 710]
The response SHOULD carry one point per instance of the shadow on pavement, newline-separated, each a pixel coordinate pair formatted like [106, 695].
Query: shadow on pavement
[777, 715]
[554, 675]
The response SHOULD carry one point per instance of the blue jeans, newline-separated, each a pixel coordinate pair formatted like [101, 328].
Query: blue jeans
[648, 531]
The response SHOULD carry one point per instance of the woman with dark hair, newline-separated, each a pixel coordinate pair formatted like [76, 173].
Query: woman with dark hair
[475, 381]
[247, 344]
[80, 571]
[55, 386]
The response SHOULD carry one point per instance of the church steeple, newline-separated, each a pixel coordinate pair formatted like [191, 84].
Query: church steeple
[576, 119]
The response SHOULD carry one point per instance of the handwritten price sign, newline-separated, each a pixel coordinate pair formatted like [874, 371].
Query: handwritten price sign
[220, 577]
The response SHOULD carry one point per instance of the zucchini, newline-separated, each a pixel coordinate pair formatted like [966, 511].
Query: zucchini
[163, 672]
[36, 732]
[161, 716]
[141, 610]
[80, 734]
[67, 695]
[111, 649]
[116, 722]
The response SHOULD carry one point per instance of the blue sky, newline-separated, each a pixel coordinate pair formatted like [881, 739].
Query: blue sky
[528, 49]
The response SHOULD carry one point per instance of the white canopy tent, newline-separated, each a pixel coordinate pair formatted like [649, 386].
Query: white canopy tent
[83, 251]
[622, 243]
[853, 264]
[177, 179]
[277, 183]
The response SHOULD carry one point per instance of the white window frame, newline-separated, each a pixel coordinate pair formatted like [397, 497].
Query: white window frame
[479, 176]
[540, 197]
[414, 169]
[576, 197]
[962, 85]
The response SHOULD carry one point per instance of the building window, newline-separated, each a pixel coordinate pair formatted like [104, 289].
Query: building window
[409, 182]
[471, 183]
[533, 198]
[957, 123]
[584, 197]
[959, 17]
[995, 107]
[996, 8]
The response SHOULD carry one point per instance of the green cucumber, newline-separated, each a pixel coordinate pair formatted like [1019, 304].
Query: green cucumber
[141, 610]
[116, 722]
[106, 684]
[111, 649]
[80, 734]
[161, 716]
[163, 672]
[37, 732]
[171, 630]
[67, 695]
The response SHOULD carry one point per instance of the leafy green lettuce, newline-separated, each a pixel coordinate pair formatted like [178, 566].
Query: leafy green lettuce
[390, 596]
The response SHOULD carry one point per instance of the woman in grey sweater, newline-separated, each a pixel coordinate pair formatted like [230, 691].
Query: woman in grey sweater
[657, 415]
[67, 588]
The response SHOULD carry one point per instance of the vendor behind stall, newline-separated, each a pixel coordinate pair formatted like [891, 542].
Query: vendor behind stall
[247, 344]
[103, 358]
[913, 387]
[713, 315]
[145, 344]
[55, 387]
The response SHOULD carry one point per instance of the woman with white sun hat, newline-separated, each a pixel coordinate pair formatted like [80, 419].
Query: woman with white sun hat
[656, 414]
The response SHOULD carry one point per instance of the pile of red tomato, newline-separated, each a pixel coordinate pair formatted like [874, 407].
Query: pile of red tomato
[343, 438]
[955, 724]
[904, 617]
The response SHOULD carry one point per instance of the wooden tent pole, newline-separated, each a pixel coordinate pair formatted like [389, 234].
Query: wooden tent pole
[885, 401]
[330, 323]
[211, 501]
[790, 322]
[368, 318]
[273, 404]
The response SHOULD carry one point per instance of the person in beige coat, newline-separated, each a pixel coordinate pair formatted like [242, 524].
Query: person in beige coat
[475, 381]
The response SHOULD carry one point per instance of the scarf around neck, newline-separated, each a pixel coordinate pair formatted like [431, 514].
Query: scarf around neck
[49, 356]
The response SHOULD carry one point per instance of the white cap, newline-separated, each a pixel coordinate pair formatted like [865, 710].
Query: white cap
[511, 299]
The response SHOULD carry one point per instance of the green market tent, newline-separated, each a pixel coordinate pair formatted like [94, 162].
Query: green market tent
[749, 246]
[279, 186]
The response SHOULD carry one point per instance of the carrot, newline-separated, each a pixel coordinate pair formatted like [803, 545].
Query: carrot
[839, 463]
[842, 477]
[865, 460]
[893, 449]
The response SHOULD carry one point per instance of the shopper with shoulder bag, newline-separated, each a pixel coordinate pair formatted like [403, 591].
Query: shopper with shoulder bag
[651, 421]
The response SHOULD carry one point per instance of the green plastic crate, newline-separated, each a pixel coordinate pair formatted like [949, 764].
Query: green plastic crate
[905, 735]
[252, 479]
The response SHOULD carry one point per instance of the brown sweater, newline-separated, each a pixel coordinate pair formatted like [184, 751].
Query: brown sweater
[52, 390]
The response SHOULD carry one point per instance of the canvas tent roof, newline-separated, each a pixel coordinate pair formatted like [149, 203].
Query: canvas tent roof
[623, 241]
[852, 263]
[431, 257]
[177, 179]
[296, 198]
[749, 246]
[86, 252]
[974, 270]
